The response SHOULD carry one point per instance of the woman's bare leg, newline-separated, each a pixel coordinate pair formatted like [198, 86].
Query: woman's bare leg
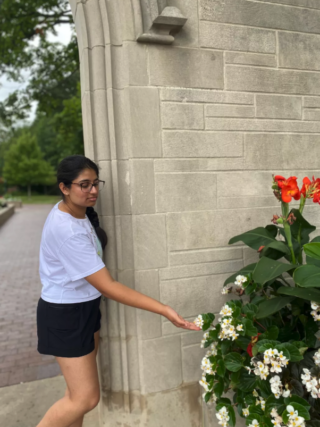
[81, 375]
[79, 422]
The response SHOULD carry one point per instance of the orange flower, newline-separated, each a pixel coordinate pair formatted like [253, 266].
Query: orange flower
[289, 188]
[311, 189]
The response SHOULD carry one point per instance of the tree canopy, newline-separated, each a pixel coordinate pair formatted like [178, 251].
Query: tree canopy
[24, 163]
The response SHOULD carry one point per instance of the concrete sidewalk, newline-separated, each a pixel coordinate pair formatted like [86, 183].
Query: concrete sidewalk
[24, 405]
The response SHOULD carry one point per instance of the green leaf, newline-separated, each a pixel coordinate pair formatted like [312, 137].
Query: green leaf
[273, 305]
[302, 411]
[250, 308]
[311, 328]
[242, 342]
[221, 369]
[223, 401]
[218, 388]
[295, 355]
[254, 238]
[264, 345]
[272, 402]
[297, 399]
[225, 346]
[250, 330]
[232, 415]
[309, 294]
[264, 387]
[255, 409]
[208, 318]
[272, 229]
[271, 333]
[235, 377]
[278, 246]
[303, 224]
[307, 276]
[243, 272]
[233, 362]
[250, 399]
[208, 396]
[312, 250]
[247, 381]
[268, 269]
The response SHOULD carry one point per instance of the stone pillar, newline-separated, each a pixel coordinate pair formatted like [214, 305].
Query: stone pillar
[189, 106]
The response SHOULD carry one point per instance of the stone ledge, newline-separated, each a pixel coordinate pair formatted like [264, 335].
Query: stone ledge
[5, 214]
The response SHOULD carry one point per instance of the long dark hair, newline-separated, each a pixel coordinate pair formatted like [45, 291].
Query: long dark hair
[68, 170]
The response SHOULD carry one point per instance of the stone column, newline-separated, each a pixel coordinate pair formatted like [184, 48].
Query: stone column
[141, 356]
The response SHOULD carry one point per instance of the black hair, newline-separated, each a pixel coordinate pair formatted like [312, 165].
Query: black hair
[68, 170]
[71, 167]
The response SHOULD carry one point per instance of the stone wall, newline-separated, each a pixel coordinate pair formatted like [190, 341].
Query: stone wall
[187, 136]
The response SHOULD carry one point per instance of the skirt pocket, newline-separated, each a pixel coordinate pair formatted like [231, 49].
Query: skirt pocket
[63, 327]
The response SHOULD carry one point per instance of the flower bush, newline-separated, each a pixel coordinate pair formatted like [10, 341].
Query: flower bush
[264, 346]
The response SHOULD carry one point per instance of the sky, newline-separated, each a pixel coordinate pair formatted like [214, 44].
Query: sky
[7, 87]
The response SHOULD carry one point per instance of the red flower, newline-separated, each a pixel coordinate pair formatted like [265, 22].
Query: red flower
[252, 344]
[260, 249]
[311, 189]
[289, 188]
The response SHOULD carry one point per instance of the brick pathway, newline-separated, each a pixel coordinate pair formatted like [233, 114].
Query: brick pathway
[20, 290]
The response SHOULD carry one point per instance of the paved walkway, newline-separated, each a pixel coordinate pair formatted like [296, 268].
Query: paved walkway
[20, 290]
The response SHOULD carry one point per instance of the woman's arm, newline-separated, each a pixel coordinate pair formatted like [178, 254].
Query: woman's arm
[112, 289]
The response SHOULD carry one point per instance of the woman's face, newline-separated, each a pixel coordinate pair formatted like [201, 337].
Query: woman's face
[77, 195]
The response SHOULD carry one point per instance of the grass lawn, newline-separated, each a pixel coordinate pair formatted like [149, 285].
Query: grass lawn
[41, 199]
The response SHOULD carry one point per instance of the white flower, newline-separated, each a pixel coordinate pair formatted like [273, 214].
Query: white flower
[255, 393]
[245, 412]
[315, 311]
[212, 399]
[240, 280]
[314, 305]
[291, 411]
[226, 311]
[316, 358]
[239, 328]
[254, 423]
[223, 416]
[204, 384]
[198, 321]
[225, 291]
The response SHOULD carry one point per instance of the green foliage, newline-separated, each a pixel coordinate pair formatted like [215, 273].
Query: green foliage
[24, 164]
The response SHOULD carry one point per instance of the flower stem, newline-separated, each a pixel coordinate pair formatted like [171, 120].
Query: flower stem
[259, 324]
[287, 230]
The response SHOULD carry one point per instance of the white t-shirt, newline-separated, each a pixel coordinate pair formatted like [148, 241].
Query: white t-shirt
[69, 251]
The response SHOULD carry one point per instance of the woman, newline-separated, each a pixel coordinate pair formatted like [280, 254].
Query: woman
[73, 278]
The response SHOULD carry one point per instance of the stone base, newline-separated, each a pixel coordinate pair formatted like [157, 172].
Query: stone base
[5, 214]
[177, 407]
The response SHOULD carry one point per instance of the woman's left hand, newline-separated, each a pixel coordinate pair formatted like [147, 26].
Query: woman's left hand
[177, 320]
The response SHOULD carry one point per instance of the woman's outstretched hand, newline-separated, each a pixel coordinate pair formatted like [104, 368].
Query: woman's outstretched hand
[177, 320]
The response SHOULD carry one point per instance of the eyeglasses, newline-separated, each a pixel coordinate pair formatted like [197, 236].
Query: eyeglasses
[86, 187]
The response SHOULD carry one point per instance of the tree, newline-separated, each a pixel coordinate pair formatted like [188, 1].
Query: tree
[54, 68]
[24, 164]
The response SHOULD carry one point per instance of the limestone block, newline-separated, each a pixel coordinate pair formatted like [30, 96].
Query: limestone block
[195, 295]
[81, 29]
[101, 125]
[110, 252]
[188, 35]
[197, 270]
[270, 152]
[192, 230]
[143, 186]
[262, 125]
[191, 363]
[105, 21]
[229, 111]
[299, 51]
[313, 4]
[202, 144]
[105, 199]
[204, 255]
[185, 191]
[115, 24]
[73, 5]
[124, 242]
[94, 24]
[149, 240]
[247, 202]
[123, 187]
[182, 116]
[127, 19]
[146, 132]
[274, 81]
[87, 125]
[160, 367]
[184, 67]
[311, 102]
[250, 59]
[278, 107]
[311, 114]
[205, 164]
[264, 15]
[232, 37]
[119, 65]
[97, 68]
[84, 71]
[149, 324]
[250, 256]
[201, 95]
[121, 112]
[191, 337]
[137, 63]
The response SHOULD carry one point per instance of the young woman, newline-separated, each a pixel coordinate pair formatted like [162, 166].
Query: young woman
[73, 278]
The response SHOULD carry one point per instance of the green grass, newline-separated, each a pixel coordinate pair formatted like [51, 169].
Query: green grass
[39, 199]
